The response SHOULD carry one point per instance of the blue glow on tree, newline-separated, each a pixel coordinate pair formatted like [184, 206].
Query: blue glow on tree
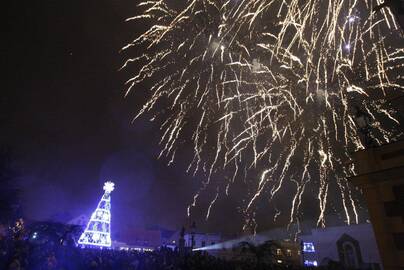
[98, 230]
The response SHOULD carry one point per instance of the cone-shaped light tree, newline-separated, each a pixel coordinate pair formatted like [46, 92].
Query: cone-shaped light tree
[98, 230]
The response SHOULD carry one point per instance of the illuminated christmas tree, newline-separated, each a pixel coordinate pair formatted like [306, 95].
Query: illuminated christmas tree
[98, 230]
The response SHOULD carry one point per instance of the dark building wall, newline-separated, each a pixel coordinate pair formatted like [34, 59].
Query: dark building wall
[381, 177]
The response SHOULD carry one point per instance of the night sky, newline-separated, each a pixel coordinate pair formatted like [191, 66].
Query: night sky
[66, 121]
[64, 117]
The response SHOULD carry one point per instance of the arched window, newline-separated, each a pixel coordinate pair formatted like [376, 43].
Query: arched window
[351, 260]
[349, 252]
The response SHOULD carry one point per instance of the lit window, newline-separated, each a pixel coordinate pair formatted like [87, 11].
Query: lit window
[278, 251]
[310, 263]
[289, 253]
[308, 247]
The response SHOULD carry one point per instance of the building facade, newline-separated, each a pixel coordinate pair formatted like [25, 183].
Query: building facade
[202, 239]
[381, 177]
[353, 247]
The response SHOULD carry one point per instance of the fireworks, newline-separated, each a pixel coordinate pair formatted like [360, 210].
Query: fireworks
[267, 89]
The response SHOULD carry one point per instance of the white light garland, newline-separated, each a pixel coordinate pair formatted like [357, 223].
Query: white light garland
[98, 230]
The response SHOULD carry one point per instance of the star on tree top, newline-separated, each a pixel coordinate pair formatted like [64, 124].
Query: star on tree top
[109, 186]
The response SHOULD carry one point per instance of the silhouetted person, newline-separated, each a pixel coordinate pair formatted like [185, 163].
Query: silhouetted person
[181, 241]
[396, 7]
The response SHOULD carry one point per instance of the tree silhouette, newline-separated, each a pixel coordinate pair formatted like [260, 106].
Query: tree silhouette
[9, 199]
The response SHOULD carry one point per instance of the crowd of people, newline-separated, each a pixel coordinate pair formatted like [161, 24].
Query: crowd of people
[19, 255]
[46, 247]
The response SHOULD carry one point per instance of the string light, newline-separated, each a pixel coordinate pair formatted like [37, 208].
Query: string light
[98, 230]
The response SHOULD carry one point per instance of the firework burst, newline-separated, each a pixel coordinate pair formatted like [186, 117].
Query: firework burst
[269, 87]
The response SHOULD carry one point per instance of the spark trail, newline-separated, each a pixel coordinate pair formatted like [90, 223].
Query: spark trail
[267, 88]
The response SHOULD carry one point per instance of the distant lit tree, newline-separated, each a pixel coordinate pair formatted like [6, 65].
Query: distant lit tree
[98, 230]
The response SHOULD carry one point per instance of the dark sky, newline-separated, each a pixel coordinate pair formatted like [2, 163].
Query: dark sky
[64, 117]
[68, 125]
